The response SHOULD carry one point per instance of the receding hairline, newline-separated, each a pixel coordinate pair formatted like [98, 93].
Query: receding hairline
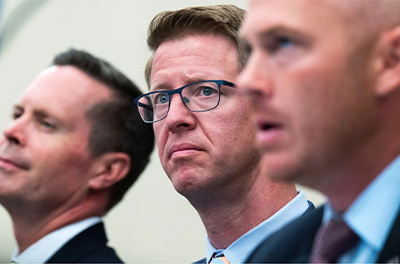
[375, 14]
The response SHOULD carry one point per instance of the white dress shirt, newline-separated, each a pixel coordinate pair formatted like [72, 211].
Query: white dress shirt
[44, 248]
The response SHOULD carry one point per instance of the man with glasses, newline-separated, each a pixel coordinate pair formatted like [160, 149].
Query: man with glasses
[204, 135]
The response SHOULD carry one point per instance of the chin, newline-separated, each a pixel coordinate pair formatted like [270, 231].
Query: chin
[279, 169]
[185, 186]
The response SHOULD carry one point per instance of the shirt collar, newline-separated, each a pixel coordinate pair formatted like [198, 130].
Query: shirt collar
[44, 248]
[241, 249]
[381, 197]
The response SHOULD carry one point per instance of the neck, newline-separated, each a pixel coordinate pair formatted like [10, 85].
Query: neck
[30, 225]
[350, 182]
[229, 217]
[361, 166]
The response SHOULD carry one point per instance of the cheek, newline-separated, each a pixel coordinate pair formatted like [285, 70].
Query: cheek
[234, 129]
[160, 137]
[62, 159]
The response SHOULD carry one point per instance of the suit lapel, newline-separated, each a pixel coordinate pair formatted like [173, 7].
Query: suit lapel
[85, 242]
[308, 229]
[292, 243]
[391, 251]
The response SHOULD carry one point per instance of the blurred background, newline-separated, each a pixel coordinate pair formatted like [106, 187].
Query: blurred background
[153, 224]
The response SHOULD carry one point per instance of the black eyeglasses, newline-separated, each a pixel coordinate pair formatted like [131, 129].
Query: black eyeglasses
[199, 96]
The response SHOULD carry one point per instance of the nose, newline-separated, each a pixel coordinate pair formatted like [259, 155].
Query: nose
[14, 132]
[179, 117]
[253, 81]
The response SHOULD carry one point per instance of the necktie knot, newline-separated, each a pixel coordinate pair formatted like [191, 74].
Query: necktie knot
[332, 241]
[219, 259]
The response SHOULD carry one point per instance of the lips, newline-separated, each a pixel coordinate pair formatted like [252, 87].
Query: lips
[8, 163]
[183, 148]
[269, 133]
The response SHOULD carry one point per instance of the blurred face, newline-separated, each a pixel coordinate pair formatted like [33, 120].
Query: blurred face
[203, 151]
[311, 84]
[44, 158]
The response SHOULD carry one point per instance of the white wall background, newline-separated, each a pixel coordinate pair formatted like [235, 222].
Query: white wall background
[153, 224]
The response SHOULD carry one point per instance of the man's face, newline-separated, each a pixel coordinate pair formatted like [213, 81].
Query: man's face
[311, 85]
[207, 150]
[44, 157]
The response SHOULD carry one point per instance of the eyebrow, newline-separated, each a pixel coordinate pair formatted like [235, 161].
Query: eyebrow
[18, 108]
[161, 86]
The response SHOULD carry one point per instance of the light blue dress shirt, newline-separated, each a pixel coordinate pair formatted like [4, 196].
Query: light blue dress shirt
[241, 249]
[371, 215]
[44, 248]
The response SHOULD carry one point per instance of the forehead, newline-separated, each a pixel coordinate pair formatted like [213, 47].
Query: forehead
[199, 57]
[317, 16]
[63, 89]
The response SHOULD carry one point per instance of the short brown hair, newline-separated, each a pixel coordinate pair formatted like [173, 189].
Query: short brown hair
[222, 20]
[116, 123]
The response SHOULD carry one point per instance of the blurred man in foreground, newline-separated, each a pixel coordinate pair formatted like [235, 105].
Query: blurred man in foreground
[324, 80]
[74, 148]
[204, 135]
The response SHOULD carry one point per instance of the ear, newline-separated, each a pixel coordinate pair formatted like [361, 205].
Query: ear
[109, 169]
[389, 78]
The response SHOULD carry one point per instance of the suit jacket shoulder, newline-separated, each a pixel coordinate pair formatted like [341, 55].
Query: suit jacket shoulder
[391, 249]
[292, 243]
[89, 246]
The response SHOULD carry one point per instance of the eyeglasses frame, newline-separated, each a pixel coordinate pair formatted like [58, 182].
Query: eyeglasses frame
[179, 91]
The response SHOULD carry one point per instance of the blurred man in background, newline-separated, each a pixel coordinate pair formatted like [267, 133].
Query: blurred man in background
[323, 78]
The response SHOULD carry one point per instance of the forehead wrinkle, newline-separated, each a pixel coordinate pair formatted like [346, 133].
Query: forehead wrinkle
[190, 78]
[186, 58]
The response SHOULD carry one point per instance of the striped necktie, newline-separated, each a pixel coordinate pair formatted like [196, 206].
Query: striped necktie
[219, 259]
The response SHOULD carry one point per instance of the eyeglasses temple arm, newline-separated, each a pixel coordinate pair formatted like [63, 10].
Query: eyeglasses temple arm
[150, 108]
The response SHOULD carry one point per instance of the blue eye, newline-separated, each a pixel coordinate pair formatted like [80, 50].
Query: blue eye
[161, 98]
[285, 42]
[275, 44]
[207, 91]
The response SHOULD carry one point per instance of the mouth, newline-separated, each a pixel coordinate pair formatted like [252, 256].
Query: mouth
[184, 150]
[268, 132]
[267, 126]
[8, 164]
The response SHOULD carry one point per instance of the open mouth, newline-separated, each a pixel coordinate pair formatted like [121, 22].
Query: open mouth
[265, 126]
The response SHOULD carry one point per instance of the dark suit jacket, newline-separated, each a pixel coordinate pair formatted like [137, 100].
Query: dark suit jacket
[89, 246]
[310, 208]
[293, 243]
